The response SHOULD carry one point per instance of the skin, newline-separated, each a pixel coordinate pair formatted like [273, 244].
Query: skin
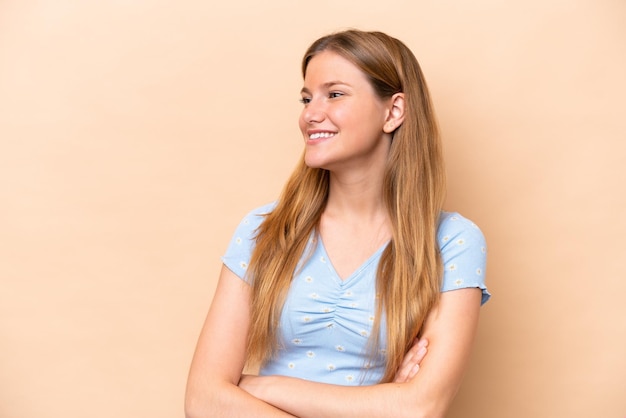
[339, 100]
[357, 128]
[212, 387]
[215, 371]
[428, 394]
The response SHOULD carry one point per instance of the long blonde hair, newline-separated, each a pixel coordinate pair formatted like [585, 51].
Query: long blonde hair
[409, 274]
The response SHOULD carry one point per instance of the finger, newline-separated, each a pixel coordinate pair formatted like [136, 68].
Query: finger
[411, 361]
[419, 355]
[416, 350]
[422, 342]
[402, 375]
[408, 358]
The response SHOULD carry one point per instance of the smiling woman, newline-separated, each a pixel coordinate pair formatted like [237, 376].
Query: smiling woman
[336, 289]
[344, 122]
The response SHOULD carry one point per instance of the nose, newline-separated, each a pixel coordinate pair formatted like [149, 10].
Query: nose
[313, 112]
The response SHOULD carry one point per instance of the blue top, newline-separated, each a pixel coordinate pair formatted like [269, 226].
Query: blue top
[326, 321]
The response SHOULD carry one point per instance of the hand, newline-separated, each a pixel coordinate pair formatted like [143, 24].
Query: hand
[411, 363]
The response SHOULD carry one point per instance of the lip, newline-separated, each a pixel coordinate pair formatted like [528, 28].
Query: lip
[319, 135]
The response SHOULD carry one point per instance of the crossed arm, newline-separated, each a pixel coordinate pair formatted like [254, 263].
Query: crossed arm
[216, 388]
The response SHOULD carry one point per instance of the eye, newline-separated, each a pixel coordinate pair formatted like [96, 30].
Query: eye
[305, 100]
[335, 94]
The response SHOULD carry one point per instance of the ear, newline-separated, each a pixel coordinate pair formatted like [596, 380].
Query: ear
[395, 115]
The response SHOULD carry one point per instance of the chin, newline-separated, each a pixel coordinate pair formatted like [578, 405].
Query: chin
[313, 164]
[312, 161]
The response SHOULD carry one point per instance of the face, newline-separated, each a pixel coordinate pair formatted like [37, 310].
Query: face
[342, 120]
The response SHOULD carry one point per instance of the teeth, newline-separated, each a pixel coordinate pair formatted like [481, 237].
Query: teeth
[321, 135]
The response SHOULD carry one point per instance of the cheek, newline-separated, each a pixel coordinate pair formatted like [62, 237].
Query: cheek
[301, 122]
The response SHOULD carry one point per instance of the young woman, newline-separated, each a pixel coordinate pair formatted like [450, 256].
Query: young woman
[328, 288]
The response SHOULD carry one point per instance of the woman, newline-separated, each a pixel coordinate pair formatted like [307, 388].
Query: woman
[328, 288]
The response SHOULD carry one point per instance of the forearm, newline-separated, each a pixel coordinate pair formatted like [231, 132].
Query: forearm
[306, 399]
[428, 394]
[215, 370]
[227, 400]
[301, 406]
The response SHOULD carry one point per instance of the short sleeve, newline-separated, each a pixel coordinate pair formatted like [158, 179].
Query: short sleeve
[464, 254]
[239, 250]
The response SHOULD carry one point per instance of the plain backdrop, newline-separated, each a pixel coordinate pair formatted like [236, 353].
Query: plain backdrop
[134, 135]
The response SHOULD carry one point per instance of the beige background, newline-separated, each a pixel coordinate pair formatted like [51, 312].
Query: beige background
[135, 134]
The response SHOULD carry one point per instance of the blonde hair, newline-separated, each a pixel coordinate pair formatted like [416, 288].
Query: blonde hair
[409, 274]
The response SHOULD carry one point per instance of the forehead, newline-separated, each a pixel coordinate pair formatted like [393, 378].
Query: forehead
[329, 66]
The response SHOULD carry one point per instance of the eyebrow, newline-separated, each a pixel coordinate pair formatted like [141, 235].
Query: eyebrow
[327, 85]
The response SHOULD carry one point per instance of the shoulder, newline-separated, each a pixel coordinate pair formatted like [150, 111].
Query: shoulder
[262, 210]
[255, 217]
[239, 251]
[457, 229]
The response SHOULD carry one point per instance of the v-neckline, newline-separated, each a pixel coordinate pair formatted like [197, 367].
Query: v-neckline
[357, 271]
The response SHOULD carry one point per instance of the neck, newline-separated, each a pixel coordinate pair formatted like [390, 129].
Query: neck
[356, 187]
[355, 195]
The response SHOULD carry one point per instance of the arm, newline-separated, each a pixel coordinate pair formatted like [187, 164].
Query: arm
[219, 358]
[450, 330]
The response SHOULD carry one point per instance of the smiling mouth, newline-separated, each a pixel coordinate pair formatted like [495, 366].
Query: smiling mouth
[319, 135]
